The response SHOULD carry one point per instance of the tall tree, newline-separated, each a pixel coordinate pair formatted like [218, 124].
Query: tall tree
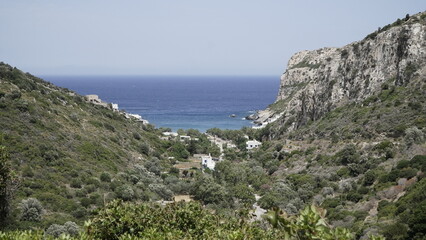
[7, 182]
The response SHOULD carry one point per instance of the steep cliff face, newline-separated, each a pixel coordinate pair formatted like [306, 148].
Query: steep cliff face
[318, 81]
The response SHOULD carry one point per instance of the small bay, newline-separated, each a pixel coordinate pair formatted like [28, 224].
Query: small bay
[199, 102]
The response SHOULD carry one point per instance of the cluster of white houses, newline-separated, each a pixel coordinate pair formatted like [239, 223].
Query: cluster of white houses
[92, 98]
[207, 161]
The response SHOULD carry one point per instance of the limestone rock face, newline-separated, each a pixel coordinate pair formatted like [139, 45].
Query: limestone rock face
[318, 81]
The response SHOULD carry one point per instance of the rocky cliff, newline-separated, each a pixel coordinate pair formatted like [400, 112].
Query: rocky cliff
[318, 81]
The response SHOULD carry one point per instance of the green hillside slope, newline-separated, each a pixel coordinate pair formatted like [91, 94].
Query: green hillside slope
[65, 150]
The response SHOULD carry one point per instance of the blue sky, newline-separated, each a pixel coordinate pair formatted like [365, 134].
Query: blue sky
[185, 37]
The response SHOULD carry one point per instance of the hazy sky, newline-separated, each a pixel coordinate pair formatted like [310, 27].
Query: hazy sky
[183, 37]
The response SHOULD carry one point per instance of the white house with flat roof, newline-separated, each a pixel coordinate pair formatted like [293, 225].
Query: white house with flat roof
[172, 134]
[208, 161]
[137, 117]
[252, 144]
[169, 135]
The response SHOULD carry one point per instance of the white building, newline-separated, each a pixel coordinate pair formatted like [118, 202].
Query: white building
[93, 98]
[114, 107]
[252, 144]
[171, 134]
[184, 138]
[208, 162]
[131, 115]
[137, 117]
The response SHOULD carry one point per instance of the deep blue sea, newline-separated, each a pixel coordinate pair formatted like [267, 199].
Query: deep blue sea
[180, 102]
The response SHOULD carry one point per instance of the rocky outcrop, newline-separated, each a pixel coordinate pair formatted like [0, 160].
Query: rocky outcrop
[318, 81]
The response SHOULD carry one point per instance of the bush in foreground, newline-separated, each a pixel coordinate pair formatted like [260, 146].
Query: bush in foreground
[191, 221]
[125, 220]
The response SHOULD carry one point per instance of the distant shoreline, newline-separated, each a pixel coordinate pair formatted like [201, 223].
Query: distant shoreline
[181, 102]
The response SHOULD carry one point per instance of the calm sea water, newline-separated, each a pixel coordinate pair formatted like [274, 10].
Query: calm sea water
[180, 102]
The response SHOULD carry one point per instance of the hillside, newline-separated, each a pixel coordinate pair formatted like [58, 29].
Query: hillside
[349, 132]
[316, 82]
[65, 150]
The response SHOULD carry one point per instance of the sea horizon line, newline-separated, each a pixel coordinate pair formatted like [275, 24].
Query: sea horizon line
[160, 77]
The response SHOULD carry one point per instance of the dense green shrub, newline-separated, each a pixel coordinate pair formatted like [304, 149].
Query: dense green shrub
[76, 183]
[363, 190]
[79, 213]
[72, 228]
[69, 228]
[244, 194]
[385, 147]
[105, 177]
[348, 155]
[419, 162]
[369, 177]
[144, 148]
[85, 202]
[300, 179]
[403, 164]
[269, 200]
[417, 223]
[208, 191]
[395, 231]
[398, 130]
[81, 193]
[55, 230]
[343, 172]
[137, 136]
[179, 151]
[161, 190]
[407, 173]
[400, 171]
[414, 136]
[331, 203]
[92, 181]
[15, 94]
[125, 192]
[415, 106]
[191, 221]
[178, 220]
[31, 210]
[386, 208]
[284, 196]
[153, 165]
[353, 196]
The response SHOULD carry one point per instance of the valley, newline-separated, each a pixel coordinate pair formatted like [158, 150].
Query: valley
[341, 155]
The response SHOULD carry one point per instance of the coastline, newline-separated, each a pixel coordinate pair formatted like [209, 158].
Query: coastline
[194, 102]
[263, 117]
